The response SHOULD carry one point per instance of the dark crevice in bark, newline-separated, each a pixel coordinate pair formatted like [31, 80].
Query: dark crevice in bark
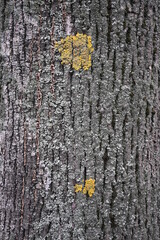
[85, 228]
[90, 105]
[125, 18]
[85, 174]
[80, 2]
[132, 2]
[24, 40]
[3, 235]
[124, 140]
[64, 14]
[67, 172]
[132, 139]
[105, 159]
[154, 45]
[25, 30]
[113, 120]
[72, 16]
[90, 116]
[15, 184]
[12, 135]
[12, 34]
[100, 121]
[52, 173]
[3, 19]
[103, 228]
[123, 69]
[1, 96]
[124, 127]
[137, 166]
[146, 5]
[145, 15]
[158, 78]
[138, 125]
[19, 65]
[117, 97]
[89, 15]
[71, 91]
[114, 69]
[9, 225]
[116, 165]
[147, 110]
[98, 214]
[109, 10]
[128, 36]
[111, 214]
[97, 37]
[153, 112]
[132, 91]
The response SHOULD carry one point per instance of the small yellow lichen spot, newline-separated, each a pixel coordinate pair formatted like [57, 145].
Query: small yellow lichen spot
[90, 44]
[84, 190]
[89, 187]
[76, 51]
[90, 192]
[78, 188]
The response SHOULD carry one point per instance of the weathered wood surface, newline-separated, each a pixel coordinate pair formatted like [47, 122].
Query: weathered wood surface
[60, 126]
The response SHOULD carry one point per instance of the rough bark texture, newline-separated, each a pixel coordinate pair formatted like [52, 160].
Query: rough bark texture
[60, 126]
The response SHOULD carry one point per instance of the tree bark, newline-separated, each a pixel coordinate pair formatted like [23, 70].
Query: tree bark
[60, 126]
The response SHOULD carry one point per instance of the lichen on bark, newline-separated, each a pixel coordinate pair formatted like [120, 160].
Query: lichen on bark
[62, 125]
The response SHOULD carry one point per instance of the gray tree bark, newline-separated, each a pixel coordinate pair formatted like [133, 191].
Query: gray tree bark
[60, 126]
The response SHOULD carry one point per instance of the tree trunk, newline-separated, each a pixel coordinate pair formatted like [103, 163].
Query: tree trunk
[60, 126]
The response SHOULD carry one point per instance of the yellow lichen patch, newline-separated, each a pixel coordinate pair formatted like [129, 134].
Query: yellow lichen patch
[89, 187]
[78, 188]
[76, 51]
[65, 48]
